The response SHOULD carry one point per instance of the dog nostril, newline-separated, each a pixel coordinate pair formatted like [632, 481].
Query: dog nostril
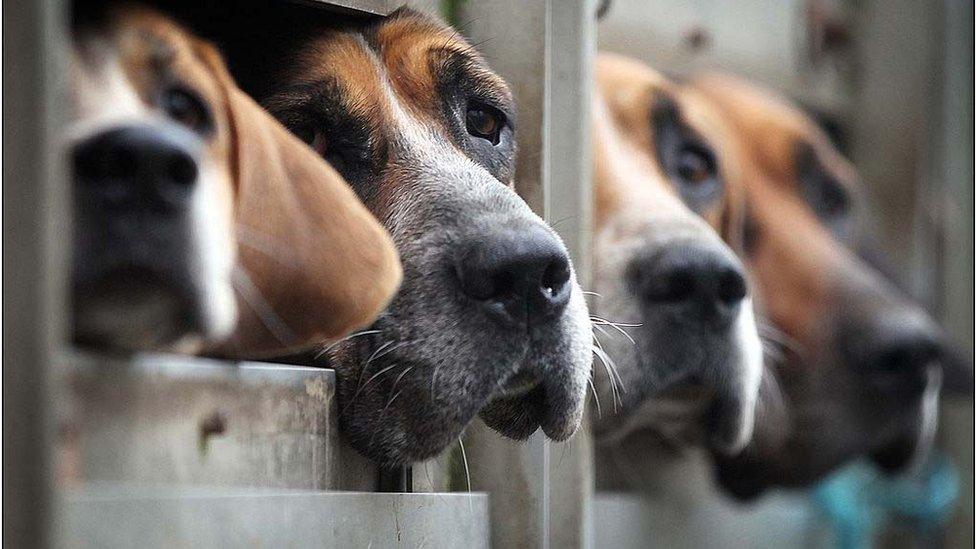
[907, 356]
[515, 273]
[182, 169]
[122, 162]
[556, 277]
[899, 350]
[137, 165]
[671, 287]
[732, 287]
[703, 280]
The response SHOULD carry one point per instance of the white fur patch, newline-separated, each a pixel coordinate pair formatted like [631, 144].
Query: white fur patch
[749, 370]
[928, 420]
[214, 252]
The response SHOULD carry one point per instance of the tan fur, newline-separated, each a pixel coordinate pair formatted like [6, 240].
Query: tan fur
[407, 46]
[795, 257]
[332, 268]
[629, 88]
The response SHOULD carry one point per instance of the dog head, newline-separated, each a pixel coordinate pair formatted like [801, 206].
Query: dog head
[489, 319]
[184, 189]
[662, 269]
[861, 365]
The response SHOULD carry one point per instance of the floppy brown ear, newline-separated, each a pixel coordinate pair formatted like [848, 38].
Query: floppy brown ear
[312, 263]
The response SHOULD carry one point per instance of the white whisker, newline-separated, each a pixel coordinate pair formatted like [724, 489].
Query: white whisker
[613, 368]
[600, 325]
[613, 384]
[596, 397]
[368, 381]
[362, 372]
[345, 339]
[395, 382]
[612, 323]
[467, 472]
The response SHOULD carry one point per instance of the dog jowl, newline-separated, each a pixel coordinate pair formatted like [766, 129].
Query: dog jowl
[489, 319]
[691, 373]
[862, 365]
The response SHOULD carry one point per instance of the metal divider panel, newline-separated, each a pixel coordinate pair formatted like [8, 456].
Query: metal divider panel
[117, 515]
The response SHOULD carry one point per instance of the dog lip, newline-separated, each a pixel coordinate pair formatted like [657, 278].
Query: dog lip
[514, 417]
[741, 484]
[133, 287]
[518, 385]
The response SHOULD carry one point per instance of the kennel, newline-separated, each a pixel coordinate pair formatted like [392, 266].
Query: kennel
[166, 450]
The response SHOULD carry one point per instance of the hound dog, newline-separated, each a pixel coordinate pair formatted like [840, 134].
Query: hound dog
[489, 320]
[694, 358]
[861, 368]
[185, 190]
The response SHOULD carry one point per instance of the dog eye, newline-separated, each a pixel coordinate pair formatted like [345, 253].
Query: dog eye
[485, 122]
[187, 108]
[833, 202]
[695, 165]
[314, 138]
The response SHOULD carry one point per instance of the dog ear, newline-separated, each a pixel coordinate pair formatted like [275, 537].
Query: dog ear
[312, 263]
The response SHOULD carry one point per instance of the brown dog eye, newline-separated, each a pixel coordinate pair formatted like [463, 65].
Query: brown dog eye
[695, 166]
[313, 138]
[187, 108]
[484, 122]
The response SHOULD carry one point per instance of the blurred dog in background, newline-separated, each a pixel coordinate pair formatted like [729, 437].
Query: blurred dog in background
[692, 360]
[861, 365]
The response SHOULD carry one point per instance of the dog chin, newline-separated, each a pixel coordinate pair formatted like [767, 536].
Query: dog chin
[676, 415]
[515, 417]
[518, 417]
[133, 312]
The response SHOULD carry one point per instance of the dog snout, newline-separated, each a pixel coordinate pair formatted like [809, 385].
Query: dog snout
[897, 348]
[139, 167]
[517, 275]
[909, 354]
[706, 284]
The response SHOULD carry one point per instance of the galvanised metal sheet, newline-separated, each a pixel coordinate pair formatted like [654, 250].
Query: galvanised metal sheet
[174, 419]
[108, 516]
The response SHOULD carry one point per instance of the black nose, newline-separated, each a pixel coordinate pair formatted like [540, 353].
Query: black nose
[706, 283]
[516, 274]
[897, 348]
[136, 167]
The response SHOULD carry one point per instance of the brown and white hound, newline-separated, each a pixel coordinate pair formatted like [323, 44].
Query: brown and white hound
[490, 320]
[862, 365]
[695, 359]
[201, 223]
